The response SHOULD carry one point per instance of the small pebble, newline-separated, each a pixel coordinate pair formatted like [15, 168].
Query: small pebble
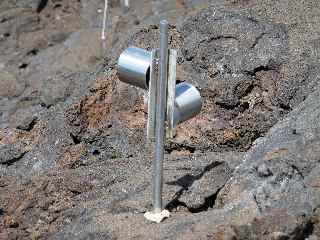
[264, 171]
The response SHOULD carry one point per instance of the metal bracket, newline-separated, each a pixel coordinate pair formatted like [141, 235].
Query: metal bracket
[171, 92]
[152, 94]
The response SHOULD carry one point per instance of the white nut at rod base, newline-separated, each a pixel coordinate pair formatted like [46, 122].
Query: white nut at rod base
[157, 217]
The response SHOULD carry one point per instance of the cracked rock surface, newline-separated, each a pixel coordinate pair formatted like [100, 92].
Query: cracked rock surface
[74, 162]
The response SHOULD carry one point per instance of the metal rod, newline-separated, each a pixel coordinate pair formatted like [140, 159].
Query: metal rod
[160, 117]
[105, 10]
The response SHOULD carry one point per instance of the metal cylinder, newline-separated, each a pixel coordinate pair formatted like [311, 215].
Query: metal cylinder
[134, 67]
[188, 102]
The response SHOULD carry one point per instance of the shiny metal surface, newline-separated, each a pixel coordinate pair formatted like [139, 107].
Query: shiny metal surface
[188, 102]
[125, 5]
[160, 117]
[134, 67]
[171, 89]
[103, 33]
[152, 96]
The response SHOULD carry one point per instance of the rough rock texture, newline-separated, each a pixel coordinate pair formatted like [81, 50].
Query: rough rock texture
[277, 174]
[74, 163]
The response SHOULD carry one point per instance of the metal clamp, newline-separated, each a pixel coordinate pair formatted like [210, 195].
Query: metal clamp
[140, 68]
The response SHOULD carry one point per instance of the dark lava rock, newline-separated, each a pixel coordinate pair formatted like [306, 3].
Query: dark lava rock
[224, 54]
[199, 189]
[264, 171]
[26, 118]
[288, 151]
[9, 154]
[28, 123]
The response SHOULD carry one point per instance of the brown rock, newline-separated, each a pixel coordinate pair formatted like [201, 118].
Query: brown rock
[10, 222]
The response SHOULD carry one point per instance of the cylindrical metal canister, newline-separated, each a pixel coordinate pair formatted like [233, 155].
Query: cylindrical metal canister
[134, 67]
[188, 102]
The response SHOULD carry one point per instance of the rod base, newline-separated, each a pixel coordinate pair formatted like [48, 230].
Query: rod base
[157, 217]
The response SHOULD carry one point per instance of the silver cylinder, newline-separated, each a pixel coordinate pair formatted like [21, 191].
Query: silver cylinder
[134, 67]
[188, 102]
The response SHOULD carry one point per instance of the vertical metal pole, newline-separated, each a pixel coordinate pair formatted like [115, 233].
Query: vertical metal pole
[160, 117]
[105, 10]
[104, 23]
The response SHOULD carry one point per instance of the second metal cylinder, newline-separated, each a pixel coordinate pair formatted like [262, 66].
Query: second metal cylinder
[188, 103]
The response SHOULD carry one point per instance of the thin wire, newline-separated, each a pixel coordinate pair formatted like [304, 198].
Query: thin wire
[103, 33]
